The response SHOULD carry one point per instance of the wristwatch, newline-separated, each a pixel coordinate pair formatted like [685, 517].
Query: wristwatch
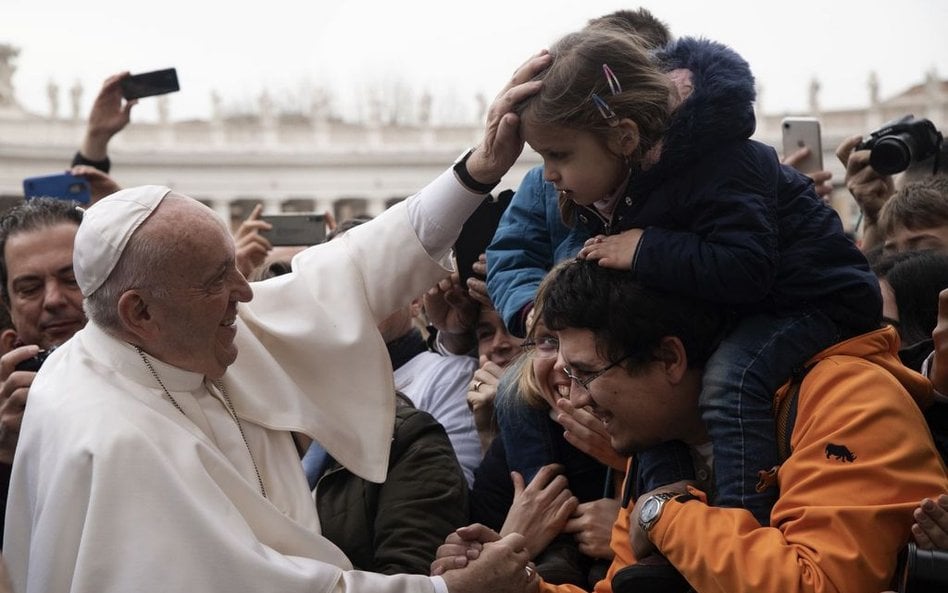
[460, 169]
[652, 509]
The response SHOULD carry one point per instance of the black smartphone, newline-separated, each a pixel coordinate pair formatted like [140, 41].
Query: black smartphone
[477, 233]
[33, 364]
[306, 228]
[148, 84]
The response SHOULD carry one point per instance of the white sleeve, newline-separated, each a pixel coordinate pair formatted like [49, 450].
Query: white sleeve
[439, 585]
[439, 210]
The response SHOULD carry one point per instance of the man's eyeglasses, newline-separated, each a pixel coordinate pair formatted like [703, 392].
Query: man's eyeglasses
[584, 382]
[546, 347]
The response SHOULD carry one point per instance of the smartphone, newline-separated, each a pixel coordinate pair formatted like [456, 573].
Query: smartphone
[800, 132]
[477, 233]
[60, 185]
[149, 84]
[305, 228]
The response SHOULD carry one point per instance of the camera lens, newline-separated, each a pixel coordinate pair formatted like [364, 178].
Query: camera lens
[926, 571]
[892, 154]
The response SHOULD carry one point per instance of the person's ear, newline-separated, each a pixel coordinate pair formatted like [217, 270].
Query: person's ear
[626, 137]
[7, 340]
[417, 306]
[671, 353]
[134, 314]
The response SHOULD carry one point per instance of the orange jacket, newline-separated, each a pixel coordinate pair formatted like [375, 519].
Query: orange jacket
[841, 519]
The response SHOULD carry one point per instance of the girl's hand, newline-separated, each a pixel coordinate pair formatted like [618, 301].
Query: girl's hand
[613, 251]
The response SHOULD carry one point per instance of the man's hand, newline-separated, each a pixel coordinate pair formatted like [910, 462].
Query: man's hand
[252, 247]
[821, 179]
[870, 190]
[462, 546]
[110, 114]
[586, 432]
[931, 524]
[451, 310]
[616, 252]
[14, 388]
[100, 183]
[481, 393]
[591, 525]
[938, 373]
[476, 287]
[502, 142]
[642, 546]
[540, 510]
[502, 566]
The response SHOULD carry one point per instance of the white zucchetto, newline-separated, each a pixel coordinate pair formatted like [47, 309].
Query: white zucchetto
[105, 230]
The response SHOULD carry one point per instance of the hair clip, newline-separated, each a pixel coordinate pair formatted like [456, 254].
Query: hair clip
[604, 109]
[614, 85]
[615, 88]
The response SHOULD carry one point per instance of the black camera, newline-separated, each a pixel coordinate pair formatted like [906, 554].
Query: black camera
[923, 571]
[33, 364]
[901, 142]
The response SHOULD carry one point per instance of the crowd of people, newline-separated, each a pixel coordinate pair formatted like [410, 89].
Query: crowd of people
[671, 370]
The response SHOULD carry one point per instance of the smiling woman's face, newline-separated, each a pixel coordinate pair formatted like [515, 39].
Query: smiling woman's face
[550, 378]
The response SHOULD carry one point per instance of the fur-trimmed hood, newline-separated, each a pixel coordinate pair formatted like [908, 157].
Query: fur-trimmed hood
[720, 108]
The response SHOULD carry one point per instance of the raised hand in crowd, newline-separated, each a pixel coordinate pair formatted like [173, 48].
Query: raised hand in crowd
[100, 184]
[450, 309]
[540, 510]
[481, 393]
[938, 372]
[109, 116]
[252, 247]
[870, 189]
[591, 526]
[821, 179]
[931, 523]
[583, 430]
[14, 389]
[476, 287]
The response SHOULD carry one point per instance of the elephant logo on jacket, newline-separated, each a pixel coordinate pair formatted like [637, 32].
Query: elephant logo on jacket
[840, 453]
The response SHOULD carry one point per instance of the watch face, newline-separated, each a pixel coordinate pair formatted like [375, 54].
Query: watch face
[650, 509]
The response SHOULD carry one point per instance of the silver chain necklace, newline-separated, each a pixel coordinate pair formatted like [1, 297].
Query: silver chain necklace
[230, 410]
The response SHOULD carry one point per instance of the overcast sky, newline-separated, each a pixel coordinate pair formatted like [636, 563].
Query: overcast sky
[451, 49]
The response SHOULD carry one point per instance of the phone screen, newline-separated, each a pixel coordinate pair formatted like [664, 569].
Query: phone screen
[295, 229]
[149, 84]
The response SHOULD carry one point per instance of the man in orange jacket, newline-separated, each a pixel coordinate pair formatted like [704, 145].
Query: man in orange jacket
[860, 458]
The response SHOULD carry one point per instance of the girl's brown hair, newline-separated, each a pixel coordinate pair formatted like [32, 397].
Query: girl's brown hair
[576, 74]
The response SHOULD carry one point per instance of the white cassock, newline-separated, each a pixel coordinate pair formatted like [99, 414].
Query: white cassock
[115, 490]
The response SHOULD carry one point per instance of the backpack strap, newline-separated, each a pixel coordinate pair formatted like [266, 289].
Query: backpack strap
[785, 416]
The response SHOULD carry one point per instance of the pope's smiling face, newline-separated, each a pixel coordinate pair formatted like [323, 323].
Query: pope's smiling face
[195, 305]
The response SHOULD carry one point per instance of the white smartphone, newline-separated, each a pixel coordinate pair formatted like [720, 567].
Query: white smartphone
[803, 132]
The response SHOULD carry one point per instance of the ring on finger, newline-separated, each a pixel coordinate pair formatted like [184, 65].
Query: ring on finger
[476, 385]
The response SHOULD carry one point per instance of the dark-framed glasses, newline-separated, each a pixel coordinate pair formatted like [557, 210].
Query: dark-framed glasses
[585, 381]
[545, 347]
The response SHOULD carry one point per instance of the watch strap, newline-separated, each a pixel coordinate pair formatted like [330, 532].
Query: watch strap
[464, 176]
